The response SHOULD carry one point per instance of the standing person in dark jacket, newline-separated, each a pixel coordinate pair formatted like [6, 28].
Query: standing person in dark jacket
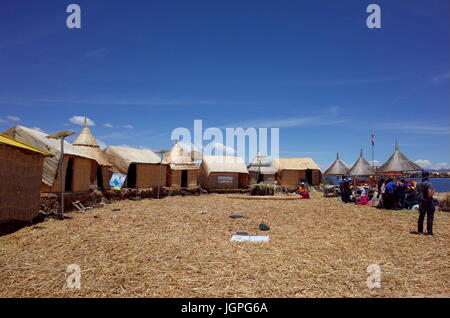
[400, 193]
[390, 189]
[425, 193]
[345, 191]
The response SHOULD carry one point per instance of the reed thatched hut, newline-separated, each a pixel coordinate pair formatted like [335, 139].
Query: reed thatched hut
[223, 172]
[260, 170]
[101, 172]
[361, 168]
[183, 173]
[337, 168]
[397, 164]
[142, 166]
[292, 170]
[21, 178]
[77, 165]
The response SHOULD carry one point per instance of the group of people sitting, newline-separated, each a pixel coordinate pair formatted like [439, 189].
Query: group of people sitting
[354, 194]
[389, 194]
[396, 195]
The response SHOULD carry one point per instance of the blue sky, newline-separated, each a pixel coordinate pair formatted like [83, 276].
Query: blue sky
[311, 68]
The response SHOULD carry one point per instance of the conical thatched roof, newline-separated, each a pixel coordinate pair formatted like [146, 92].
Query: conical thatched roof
[398, 162]
[85, 138]
[178, 159]
[86, 143]
[338, 168]
[261, 164]
[361, 167]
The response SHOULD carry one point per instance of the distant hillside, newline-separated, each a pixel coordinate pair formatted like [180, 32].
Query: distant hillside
[440, 170]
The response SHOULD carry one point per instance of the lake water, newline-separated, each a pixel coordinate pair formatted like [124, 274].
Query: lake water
[439, 184]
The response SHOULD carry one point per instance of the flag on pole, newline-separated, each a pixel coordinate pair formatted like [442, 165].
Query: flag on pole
[373, 139]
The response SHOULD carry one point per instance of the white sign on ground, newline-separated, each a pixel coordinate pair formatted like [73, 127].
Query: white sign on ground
[250, 238]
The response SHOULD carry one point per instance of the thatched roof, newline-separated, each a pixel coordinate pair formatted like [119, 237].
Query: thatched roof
[338, 168]
[261, 164]
[294, 164]
[95, 153]
[178, 159]
[398, 162]
[85, 138]
[223, 164]
[39, 140]
[361, 167]
[18, 144]
[122, 157]
[87, 144]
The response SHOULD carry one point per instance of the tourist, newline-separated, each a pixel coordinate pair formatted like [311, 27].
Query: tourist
[425, 193]
[400, 193]
[381, 189]
[389, 195]
[346, 191]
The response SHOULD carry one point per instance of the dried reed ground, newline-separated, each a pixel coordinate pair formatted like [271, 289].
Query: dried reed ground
[166, 248]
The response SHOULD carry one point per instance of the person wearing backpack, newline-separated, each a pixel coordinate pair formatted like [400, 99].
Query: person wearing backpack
[425, 193]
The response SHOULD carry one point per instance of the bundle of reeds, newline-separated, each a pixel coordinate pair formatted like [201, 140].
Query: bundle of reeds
[262, 189]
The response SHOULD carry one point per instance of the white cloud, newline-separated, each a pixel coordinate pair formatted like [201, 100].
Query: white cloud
[101, 144]
[217, 148]
[188, 147]
[3, 120]
[310, 121]
[127, 126]
[344, 82]
[222, 149]
[108, 125]
[150, 101]
[427, 164]
[79, 120]
[442, 165]
[440, 78]
[412, 127]
[13, 118]
[423, 163]
[328, 118]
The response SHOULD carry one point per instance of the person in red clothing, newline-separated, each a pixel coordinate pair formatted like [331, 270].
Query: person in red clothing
[303, 191]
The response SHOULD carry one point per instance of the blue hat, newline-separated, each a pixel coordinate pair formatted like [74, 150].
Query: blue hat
[425, 174]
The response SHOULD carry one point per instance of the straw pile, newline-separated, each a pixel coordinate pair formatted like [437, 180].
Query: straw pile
[180, 247]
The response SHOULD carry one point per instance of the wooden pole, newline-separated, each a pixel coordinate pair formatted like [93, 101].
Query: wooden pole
[61, 135]
[159, 180]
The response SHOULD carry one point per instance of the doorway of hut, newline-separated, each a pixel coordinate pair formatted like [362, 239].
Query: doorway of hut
[99, 177]
[309, 176]
[69, 176]
[131, 176]
[260, 178]
[184, 178]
